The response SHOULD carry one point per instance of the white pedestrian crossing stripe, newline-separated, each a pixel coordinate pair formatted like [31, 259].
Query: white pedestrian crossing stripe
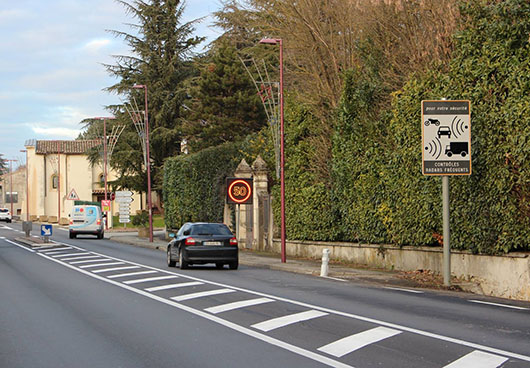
[237, 305]
[478, 359]
[275, 323]
[357, 341]
[202, 294]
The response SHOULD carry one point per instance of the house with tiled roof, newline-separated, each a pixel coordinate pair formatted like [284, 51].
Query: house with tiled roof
[59, 172]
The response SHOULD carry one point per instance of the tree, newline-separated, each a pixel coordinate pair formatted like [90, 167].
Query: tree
[161, 61]
[224, 105]
[3, 165]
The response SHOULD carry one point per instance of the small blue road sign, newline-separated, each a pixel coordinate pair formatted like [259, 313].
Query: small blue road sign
[46, 230]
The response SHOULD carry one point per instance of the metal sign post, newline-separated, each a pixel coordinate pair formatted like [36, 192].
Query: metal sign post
[446, 150]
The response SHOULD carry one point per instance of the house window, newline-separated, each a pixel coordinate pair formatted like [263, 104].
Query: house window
[101, 180]
[55, 181]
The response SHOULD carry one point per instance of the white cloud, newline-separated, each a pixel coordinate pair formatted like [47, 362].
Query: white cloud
[96, 45]
[55, 132]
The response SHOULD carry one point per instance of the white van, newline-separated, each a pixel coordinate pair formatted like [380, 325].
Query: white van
[86, 219]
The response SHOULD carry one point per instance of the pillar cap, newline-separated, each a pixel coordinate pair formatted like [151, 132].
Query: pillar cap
[259, 164]
[243, 168]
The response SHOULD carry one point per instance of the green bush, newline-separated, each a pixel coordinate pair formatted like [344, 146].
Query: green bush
[194, 184]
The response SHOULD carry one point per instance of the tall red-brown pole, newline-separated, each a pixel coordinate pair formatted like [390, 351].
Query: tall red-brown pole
[58, 183]
[11, 185]
[105, 165]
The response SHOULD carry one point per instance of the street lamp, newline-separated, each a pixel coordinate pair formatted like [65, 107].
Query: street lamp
[278, 41]
[27, 186]
[148, 162]
[105, 118]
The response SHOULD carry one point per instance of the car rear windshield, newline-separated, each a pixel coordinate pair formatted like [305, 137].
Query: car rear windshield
[4, 210]
[210, 229]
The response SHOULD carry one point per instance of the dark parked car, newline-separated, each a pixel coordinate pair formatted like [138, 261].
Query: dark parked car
[200, 243]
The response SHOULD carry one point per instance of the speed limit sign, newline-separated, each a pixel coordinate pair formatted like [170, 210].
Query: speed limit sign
[238, 191]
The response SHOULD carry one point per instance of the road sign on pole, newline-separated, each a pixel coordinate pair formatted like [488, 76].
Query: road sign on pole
[105, 205]
[446, 137]
[239, 191]
[72, 196]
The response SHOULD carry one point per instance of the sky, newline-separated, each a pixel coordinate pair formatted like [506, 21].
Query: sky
[51, 72]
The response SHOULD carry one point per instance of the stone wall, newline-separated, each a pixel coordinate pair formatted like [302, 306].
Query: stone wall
[506, 276]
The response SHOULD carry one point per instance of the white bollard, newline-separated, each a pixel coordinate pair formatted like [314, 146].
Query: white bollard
[325, 260]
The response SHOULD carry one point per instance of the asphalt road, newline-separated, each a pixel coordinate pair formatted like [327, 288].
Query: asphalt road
[96, 303]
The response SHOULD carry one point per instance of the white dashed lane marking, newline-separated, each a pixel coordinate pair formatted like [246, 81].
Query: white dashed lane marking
[498, 305]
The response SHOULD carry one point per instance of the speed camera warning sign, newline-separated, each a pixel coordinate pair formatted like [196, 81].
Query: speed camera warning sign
[238, 191]
[446, 137]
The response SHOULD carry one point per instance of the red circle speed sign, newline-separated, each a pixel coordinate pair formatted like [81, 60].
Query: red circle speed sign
[239, 190]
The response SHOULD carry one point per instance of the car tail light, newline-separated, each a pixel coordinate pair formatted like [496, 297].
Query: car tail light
[233, 241]
[98, 222]
[190, 241]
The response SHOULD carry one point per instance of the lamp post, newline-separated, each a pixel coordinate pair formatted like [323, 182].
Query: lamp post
[148, 162]
[278, 41]
[105, 118]
[27, 185]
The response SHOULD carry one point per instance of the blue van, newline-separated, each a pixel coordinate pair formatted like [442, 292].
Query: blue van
[86, 219]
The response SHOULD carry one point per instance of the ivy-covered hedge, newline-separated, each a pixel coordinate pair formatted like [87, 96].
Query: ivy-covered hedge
[309, 209]
[194, 184]
[378, 193]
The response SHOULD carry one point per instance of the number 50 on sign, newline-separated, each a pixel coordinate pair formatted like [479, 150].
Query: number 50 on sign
[238, 191]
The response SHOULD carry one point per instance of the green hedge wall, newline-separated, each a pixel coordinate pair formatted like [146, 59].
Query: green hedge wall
[378, 193]
[194, 184]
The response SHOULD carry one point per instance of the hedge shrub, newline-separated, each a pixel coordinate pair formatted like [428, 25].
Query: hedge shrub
[194, 184]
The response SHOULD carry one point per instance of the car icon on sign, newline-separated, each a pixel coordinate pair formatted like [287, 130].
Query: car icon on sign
[444, 130]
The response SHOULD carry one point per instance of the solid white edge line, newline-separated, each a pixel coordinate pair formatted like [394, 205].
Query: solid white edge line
[257, 335]
[402, 289]
[333, 278]
[497, 304]
[332, 311]
[477, 359]
[19, 245]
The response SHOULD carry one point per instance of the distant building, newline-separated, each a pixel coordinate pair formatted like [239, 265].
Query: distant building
[59, 172]
[13, 188]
